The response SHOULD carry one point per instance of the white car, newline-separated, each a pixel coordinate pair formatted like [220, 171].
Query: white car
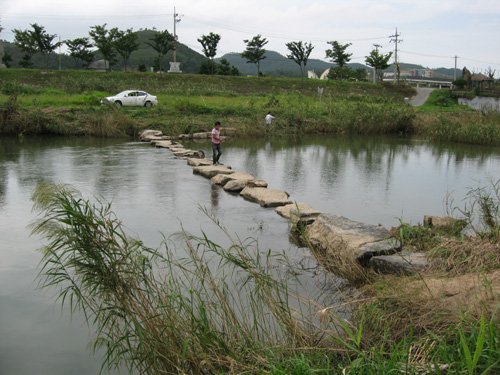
[131, 98]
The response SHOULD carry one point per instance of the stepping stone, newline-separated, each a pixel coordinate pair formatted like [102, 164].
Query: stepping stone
[257, 183]
[212, 170]
[186, 153]
[235, 186]
[162, 144]
[150, 135]
[194, 162]
[266, 197]
[298, 212]
[224, 179]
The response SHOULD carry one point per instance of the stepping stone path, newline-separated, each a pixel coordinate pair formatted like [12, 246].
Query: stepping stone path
[335, 236]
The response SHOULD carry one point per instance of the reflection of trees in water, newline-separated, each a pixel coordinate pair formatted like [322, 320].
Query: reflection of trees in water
[3, 185]
[214, 197]
[458, 153]
[297, 162]
[55, 159]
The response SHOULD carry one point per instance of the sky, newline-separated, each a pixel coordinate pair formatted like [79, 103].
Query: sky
[430, 32]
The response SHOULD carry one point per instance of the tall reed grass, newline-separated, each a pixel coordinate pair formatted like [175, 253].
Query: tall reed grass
[205, 309]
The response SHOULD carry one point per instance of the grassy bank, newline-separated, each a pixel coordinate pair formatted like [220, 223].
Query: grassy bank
[67, 103]
[238, 310]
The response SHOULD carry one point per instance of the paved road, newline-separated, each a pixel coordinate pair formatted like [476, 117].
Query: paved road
[421, 97]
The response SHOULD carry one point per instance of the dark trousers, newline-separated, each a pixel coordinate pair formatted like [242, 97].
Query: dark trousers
[216, 152]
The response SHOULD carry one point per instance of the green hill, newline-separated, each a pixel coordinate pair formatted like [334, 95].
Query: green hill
[190, 60]
[278, 65]
[274, 64]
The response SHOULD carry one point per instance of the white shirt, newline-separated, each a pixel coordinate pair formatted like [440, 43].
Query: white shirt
[269, 118]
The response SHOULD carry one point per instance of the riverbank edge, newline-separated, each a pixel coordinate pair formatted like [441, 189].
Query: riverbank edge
[471, 127]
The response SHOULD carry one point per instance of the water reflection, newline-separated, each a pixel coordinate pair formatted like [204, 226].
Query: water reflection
[372, 179]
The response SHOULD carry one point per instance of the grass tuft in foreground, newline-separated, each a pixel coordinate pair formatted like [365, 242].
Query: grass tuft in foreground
[236, 310]
[208, 310]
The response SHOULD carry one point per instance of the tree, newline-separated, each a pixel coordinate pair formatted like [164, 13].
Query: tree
[339, 56]
[460, 83]
[79, 50]
[24, 40]
[490, 72]
[125, 43]
[104, 41]
[7, 59]
[340, 73]
[379, 62]
[338, 53]
[255, 51]
[359, 74]
[162, 42]
[209, 43]
[226, 69]
[43, 41]
[300, 54]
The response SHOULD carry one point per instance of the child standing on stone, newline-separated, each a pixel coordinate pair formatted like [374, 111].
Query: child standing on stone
[216, 143]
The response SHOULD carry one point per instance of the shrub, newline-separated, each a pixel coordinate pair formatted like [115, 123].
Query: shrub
[460, 83]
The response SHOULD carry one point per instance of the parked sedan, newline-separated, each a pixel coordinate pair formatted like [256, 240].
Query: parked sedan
[131, 98]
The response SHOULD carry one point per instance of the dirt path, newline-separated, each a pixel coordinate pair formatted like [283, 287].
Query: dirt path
[422, 96]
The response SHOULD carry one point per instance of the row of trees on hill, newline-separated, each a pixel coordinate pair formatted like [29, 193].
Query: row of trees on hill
[299, 53]
[111, 43]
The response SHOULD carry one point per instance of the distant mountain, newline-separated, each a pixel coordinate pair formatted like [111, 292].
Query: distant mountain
[439, 73]
[278, 65]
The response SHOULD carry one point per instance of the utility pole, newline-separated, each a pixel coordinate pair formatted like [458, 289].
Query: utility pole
[176, 19]
[60, 65]
[394, 38]
[377, 46]
[455, 72]
[175, 67]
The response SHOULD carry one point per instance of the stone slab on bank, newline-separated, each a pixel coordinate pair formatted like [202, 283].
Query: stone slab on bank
[387, 246]
[340, 237]
[266, 197]
[403, 263]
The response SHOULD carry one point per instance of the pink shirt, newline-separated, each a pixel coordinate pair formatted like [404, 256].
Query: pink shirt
[215, 136]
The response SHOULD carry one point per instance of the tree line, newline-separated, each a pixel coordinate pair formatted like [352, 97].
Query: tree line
[300, 52]
[113, 42]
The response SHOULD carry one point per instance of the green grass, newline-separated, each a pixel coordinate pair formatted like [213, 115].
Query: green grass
[443, 100]
[190, 103]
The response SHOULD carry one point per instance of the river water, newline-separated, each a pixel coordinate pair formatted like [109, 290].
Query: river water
[377, 180]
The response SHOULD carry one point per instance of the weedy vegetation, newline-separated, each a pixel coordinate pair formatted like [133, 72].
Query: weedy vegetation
[192, 103]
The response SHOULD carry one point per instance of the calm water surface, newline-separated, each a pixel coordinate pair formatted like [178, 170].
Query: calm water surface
[374, 180]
